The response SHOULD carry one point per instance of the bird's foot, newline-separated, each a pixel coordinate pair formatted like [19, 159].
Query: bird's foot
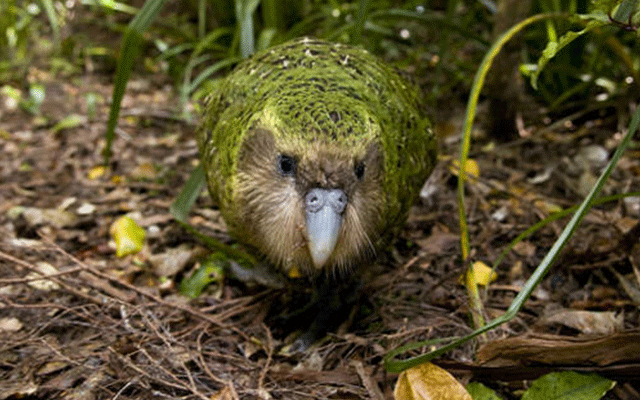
[326, 307]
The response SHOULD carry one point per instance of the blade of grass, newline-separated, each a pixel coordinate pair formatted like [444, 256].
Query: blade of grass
[129, 52]
[554, 217]
[50, 10]
[472, 105]
[361, 18]
[207, 72]
[464, 153]
[202, 18]
[112, 5]
[244, 15]
[272, 14]
[181, 206]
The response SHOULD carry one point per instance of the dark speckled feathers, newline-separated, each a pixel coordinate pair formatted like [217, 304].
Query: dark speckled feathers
[333, 109]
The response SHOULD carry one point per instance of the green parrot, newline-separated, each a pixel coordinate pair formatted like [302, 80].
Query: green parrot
[314, 152]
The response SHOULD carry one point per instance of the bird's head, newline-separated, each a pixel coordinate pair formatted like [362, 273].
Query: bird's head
[310, 196]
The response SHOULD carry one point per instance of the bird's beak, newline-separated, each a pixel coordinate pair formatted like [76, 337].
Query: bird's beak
[324, 209]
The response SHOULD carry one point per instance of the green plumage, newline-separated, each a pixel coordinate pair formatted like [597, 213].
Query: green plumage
[345, 118]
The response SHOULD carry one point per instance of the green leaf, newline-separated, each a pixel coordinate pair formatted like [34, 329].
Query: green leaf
[211, 270]
[266, 38]
[70, 121]
[603, 6]
[626, 10]
[568, 385]
[478, 391]
[554, 47]
[113, 6]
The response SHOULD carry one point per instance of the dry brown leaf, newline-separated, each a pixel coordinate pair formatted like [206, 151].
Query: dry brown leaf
[554, 350]
[587, 322]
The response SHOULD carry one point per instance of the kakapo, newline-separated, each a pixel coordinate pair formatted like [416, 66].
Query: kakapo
[314, 152]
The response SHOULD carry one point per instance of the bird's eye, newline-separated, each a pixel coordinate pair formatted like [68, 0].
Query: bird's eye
[286, 165]
[359, 170]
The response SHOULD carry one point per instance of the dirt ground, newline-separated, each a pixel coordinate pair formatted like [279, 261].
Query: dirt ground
[103, 327]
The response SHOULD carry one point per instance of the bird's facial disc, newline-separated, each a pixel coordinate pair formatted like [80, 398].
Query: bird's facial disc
[324, 209]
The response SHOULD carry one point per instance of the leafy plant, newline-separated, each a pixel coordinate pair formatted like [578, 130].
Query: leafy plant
[593, 66]
[19, 30]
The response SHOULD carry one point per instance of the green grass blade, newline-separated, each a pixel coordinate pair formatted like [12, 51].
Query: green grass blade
[398, 365]
[227, 62]
[272, 14]
[129, 52]
[181, 206]
[112, 5]
[472, 105]
[244, 15]
[50, 10]
[361, 18]
[202, 18]
[554, 217]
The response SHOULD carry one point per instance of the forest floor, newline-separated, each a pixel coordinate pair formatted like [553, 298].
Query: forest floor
[108, 327]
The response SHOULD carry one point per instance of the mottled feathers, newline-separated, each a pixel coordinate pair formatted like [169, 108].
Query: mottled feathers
[311, 114]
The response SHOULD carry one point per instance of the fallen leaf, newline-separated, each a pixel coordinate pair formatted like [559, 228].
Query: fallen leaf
[568, 385]
[438, 242]
[128, 236]
[479, 274]
[10, 324]
[70, 121]
[45, 216]
[471, 169]
[478, 391]
[43, 269]
[428, 382]
[587, 322]
[96, 172]
[171, 261]
[211, 270]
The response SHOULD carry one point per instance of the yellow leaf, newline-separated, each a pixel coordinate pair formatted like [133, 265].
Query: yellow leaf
[428, 382]
[547, 206]
[483, 273]
[128, 236]
[479, 274]
[471, 169]
[96, 172]
[144, 171]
